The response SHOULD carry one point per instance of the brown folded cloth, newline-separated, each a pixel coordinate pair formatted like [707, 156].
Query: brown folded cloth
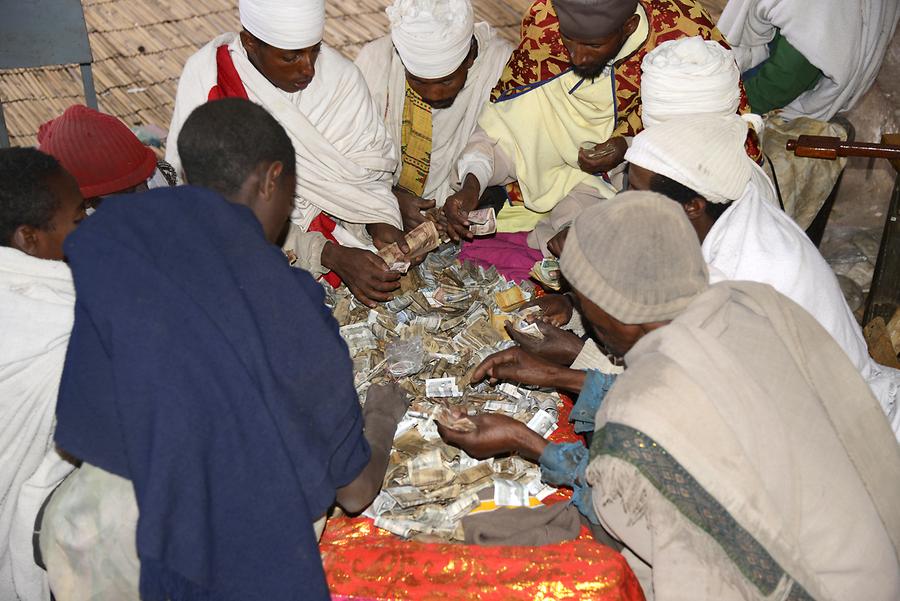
[523, 526]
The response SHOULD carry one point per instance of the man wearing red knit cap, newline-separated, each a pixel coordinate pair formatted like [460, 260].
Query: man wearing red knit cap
[103, 155]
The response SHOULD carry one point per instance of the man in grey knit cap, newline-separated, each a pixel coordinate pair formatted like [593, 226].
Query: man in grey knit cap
[737, 418]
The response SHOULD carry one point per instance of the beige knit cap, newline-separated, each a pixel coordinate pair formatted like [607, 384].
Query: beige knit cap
[703, 152]
[636, 256]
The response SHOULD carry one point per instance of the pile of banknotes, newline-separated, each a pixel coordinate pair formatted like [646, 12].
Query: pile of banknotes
[445, 320]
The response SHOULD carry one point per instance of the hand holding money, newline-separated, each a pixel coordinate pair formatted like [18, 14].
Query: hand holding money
[547, 273]
[517, 365]
[364, 273]
[602, 157]
[556, 309]
[495, 434]
[556, 345]
[419, 242]
[457, 206]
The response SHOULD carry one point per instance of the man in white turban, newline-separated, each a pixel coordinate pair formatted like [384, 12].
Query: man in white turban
[345, 157]
[688, 76]
[430, 78]
[809, 59]
[700, 162]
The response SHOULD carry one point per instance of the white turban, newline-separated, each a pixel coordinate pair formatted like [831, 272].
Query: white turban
[285, 24]
[703, 152]
[433, 37]
[688, 76]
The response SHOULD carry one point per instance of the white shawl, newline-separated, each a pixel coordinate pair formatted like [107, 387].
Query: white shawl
[452, 127]
[344, 155]
[37, 299]
[754, 240]
[845, 39]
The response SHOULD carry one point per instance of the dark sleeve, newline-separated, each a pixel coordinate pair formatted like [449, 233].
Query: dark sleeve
[781, 78]
[85, 403]
[351, 452]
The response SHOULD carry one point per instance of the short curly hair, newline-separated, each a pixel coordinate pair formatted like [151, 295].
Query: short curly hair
[223, 141]
[25, 194]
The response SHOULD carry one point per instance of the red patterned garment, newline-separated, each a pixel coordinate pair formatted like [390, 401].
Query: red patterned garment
[541, 56]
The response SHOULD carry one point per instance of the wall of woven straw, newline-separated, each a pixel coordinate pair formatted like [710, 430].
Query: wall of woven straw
[139, 47]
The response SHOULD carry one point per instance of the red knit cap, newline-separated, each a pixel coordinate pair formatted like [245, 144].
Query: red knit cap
[100, 152]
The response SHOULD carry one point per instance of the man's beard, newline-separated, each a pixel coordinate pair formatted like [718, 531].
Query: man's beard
[589, 72]
[442, 104]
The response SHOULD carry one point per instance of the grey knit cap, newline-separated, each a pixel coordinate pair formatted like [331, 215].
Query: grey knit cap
[636, 256]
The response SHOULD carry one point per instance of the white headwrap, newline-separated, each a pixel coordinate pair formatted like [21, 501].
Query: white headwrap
[688, 76]
[703, 152]
[433, 37]
[285, 24]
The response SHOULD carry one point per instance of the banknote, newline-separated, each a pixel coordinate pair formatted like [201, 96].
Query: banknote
[421, 240]
[528, 328]
[506, 407]
[510, 299]
[449, 420]
[427, 469]
[359, 338]
[546, 271]
[441, 387]
[482, 222]
[543, 423]
[509, 493]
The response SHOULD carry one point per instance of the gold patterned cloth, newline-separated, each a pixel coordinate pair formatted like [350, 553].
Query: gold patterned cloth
[415, 136]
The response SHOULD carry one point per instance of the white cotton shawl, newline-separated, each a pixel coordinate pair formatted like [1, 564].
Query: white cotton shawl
[754, 240]
[345, 157]
[688, 76]
[37, 299]
[286, 24]
[845, 39]
[433, 37]
[451, 127]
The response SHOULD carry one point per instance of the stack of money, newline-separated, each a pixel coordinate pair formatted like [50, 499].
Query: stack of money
[546, 271]
[423, 239]
[482, 222]
[429, 339]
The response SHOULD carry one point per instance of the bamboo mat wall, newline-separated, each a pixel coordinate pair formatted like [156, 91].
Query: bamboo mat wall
[139, 47]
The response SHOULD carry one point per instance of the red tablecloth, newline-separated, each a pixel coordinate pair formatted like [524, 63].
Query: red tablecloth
[363, 562]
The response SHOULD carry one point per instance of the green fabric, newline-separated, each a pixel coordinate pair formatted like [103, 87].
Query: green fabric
[781, 78]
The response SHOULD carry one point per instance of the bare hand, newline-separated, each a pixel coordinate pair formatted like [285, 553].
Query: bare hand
[517, 365]
[495, 434]
[365, 273]
[384, 234]
[388, 400]
[556, 309]
[556, 244]
[456, 210]
[557, 346]
[411, 207]
[603, 157]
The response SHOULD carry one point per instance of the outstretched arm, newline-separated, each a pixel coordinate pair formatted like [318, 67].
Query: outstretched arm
[384, 408]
